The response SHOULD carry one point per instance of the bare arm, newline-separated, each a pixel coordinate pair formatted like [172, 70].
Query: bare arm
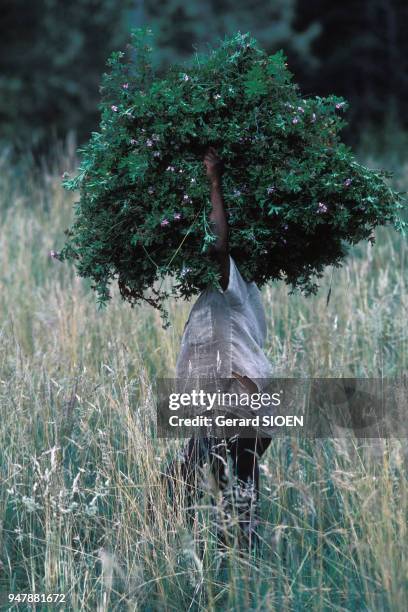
[218, 215]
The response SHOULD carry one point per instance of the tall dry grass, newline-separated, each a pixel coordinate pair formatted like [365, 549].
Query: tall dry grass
[79, 461]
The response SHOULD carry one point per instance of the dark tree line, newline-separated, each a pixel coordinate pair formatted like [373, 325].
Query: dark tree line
[51, 56]
[362, 51]
[52, 53]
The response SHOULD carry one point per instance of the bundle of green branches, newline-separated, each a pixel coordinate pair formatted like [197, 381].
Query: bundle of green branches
[295, 195]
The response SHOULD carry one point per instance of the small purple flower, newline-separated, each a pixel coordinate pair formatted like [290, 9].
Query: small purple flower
[125, 85]
[313, 117]
[286, 227]
[348, 182]
[156, 154]
[133, 141]
[321, 207]
[295, 120]
[185, 271]
[339, 105]
[165, 222]
[54, 254]
[114, 108]
[236, 193]
[284, 240]
[193, 180]
[149, 142]
[270, 190]
[170, 169]
[177, 216]
[186, 77]
[301, 109]
[217, 96]
[150, 191]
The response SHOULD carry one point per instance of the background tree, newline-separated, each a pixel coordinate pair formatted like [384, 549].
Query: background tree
[181, 26]
[53, 53]
[362, 54]
[51, 57]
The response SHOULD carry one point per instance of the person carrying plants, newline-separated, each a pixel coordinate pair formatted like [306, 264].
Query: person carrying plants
[223, 339]
[298, 200]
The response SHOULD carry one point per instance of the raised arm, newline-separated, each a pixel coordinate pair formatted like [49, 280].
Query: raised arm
[218, 217]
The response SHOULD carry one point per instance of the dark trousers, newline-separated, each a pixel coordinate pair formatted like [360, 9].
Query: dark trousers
[233, 465]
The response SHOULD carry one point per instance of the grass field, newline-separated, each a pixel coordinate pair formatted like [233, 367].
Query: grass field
[79, 460]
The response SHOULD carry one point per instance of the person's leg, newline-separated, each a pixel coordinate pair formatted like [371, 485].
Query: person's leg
[239, 494]
[219, 472]
[239, 491]
[245, 453]
[182, 474]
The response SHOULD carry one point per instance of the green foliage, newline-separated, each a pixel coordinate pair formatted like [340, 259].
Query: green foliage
[52, 54]
[295, 195]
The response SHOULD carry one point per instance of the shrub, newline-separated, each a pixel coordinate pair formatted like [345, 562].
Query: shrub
[296, 197]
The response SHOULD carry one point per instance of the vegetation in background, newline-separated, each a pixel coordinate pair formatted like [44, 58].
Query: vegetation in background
[358, 49]
[51, 57]
[79, 460]
[52, 54]
[295, 195]
[80, 463]
[181, 27]
[362, 52]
